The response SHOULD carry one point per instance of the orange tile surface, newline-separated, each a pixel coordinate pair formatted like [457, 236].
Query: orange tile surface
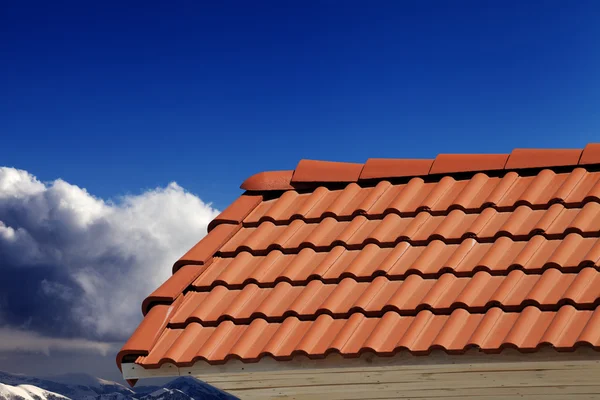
[491, 331]
[486, 251]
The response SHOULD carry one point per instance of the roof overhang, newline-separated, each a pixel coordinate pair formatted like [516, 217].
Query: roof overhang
[508, 358]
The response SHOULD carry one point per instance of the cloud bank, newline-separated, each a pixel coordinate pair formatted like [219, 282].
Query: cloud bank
[16, 340]
[74, 266]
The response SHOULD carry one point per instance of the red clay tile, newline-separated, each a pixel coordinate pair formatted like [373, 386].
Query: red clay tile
[456, 225]
[381, 168]
[472, 194]
[174, 286]
[441, 295]
[326, 171]
[495, 260]
[433, 259]
[269, 180]
[148, 332]
[591, 154]
[490, 331]
[541, 158]
[453, 163]
[237, 211]
[204, 250]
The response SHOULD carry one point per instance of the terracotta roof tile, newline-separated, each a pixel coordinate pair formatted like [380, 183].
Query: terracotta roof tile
[173, 287]
[451, 163]
[457, 225]
[455, 333]
[269, 180]
[400, 261]
[380, 168]
[203, 252]
[548, 290]
[314, 172]
[487, 251]
[534, 158]
[326, 171]
[472, 194]
[237, 211]
[147, 334]
[591, 154]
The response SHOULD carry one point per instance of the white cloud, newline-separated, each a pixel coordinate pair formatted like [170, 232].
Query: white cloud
[21, 340]
[18, 183]
[94, 260]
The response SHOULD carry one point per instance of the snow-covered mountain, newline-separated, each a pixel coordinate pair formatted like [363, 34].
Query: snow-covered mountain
[85, 387]
[186, 388]
[27, 392]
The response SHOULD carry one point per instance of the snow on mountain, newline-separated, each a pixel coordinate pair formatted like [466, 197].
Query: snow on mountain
[85, 387]
[170, 394]
[27, 392]
[196, 389]
[83, 380]
[97, 385]
[70, 391]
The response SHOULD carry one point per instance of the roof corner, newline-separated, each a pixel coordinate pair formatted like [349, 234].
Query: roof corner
[268, 180]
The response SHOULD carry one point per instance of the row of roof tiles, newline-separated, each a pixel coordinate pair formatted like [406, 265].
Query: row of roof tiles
[547, 291]
[311, 171]
[472, 194]
[500, 257]
[422, 228]
[491, 331]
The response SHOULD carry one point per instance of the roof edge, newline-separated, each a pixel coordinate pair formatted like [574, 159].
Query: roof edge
[146, 335]
[269, 180]
[203, 252]
[309, 173]
[236, 212]
[369, 358]
[169, 291]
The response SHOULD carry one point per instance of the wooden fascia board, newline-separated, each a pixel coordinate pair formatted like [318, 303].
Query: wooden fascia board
[335, 363]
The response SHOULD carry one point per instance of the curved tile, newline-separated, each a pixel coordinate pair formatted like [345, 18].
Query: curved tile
[491, 331]
[205, 249]
[472, 194]
[237, 211]
[377, 168]
[441, 295]
[268, 180]
[420, 229]
[173, 287]
[326, 171]
[464, 258]
[590, 154]
[452, 163]
[540, 158]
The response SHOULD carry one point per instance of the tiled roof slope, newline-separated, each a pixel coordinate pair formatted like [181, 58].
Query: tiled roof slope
[486, 251]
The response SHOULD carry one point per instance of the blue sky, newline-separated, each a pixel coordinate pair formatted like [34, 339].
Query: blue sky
[119, 98]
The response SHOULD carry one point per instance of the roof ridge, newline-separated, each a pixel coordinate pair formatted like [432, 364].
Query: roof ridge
[309, 172]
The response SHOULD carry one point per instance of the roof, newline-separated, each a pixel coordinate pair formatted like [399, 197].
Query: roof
[486, 251]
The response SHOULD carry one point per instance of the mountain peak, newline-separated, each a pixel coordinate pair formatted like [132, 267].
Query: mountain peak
[186, 380]
[27, 392]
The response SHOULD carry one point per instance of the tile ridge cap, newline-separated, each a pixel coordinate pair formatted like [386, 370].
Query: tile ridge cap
[310, 172]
